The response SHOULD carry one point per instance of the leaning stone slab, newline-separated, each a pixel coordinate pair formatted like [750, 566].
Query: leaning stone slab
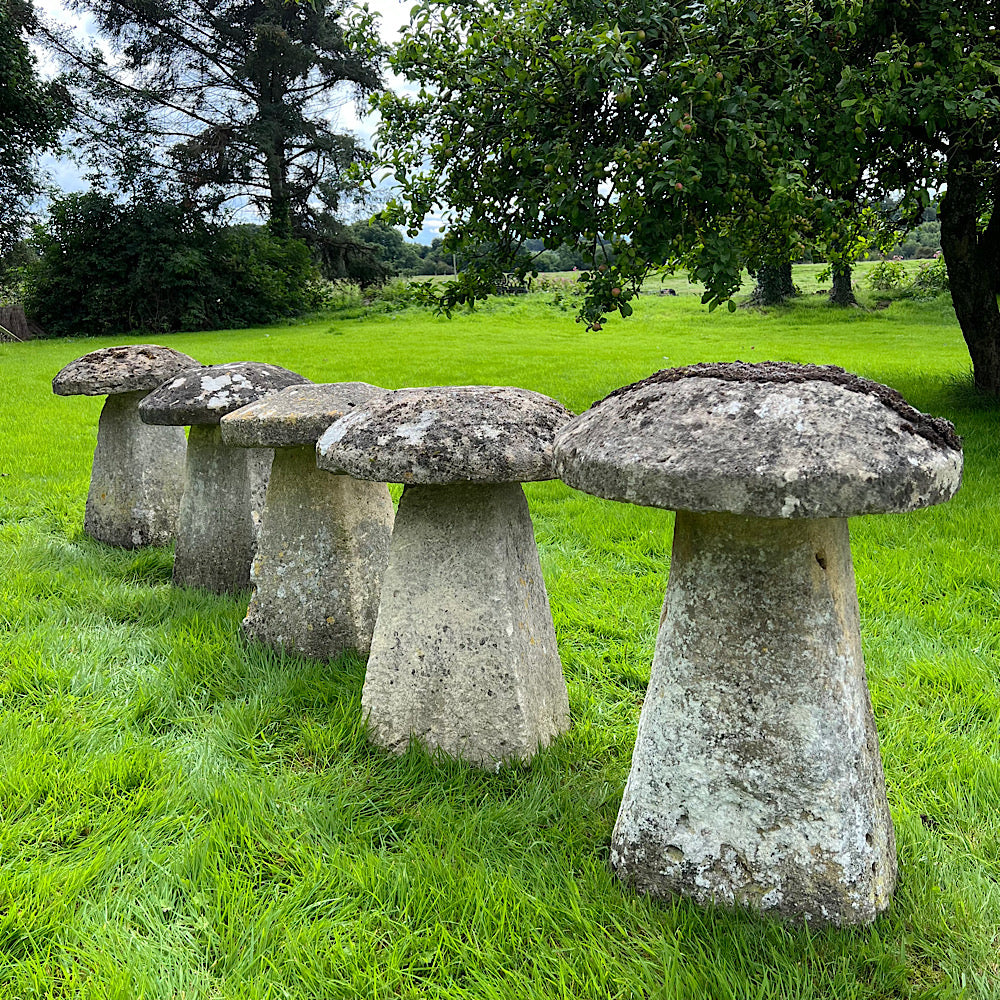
[324, 540]
[216, 532]
[464, 656]
[756, 777]
[138, 471]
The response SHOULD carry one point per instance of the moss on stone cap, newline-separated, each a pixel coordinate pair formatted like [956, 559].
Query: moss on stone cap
[114, 370]
[767, 440]
[935, 429]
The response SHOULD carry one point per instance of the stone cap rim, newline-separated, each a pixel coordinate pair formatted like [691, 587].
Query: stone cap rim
[264, 423]
[937, 430]
[730, 437]
[84, 376]
[185, 400]
[435, 435]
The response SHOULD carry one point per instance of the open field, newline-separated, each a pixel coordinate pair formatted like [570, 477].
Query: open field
[186, 816]
[806, 277]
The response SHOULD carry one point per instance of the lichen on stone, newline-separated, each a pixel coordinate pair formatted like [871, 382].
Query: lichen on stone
[937, 430]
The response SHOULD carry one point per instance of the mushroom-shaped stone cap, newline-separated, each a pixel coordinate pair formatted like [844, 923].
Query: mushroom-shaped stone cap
[446, 434]
[113, 370]
[206, 395]
[764, 440]
[297, 415]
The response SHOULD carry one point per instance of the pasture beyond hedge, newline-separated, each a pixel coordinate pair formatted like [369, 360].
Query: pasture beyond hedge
[187, 816]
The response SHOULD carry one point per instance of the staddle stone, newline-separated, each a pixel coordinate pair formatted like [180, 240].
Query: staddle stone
[324, 540]
[464, 655]
[756, 777]
[224, 487]
[138, 471]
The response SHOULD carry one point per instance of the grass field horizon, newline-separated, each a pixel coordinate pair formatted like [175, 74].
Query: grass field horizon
[187, 815]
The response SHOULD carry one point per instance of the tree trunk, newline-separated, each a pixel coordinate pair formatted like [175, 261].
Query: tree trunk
[842, 294]
[280, 207]
[969, 257]
[774, 285]
[787, 285]
[14, 324]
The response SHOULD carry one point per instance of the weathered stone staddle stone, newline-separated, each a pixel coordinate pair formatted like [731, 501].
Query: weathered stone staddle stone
[223, 487]
[138, 471]
[756, 777]
[324, 540]
[464, 655]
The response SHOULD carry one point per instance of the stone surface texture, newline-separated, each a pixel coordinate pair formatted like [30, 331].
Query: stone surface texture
[446, 434]
[137, 477]
[756, 777]
[323, 549]
[128, 368]
[464, 655]
[324, 540]
[205, 395]
[216, 530]
[770, 440]
[296, 415]
[259, 475]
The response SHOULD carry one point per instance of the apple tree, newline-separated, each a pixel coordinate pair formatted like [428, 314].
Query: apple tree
[922, 78]
[634, 127]
[704, 135]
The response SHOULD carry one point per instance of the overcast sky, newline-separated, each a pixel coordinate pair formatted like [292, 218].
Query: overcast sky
[393, 14]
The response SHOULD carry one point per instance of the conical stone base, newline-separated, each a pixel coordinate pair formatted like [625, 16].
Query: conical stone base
[756, 777]
[216, 534]
[324, 545]
[137, 477]
[464, 654]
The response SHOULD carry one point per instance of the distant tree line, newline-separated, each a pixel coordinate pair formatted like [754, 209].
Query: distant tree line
[404, 258]
[924, 241]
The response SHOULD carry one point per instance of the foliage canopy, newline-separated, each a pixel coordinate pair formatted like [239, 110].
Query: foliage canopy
[231, 100]
[106, 268]
[702, 135]
[33, 113]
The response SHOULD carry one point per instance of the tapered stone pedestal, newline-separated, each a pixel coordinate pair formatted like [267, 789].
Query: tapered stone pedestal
[324, 539]
[757, 777]
[464, 654]
[317, 574]
[217, 536]
[137, 478]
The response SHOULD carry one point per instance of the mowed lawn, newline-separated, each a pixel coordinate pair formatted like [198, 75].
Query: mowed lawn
[184, 815]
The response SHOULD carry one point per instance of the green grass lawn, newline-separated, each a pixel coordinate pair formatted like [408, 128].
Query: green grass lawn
[187, 816]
